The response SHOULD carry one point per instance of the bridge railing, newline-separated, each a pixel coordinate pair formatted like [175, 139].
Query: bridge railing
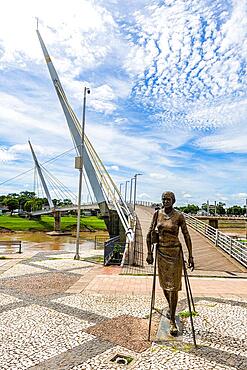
[234, 248]
[128, 255]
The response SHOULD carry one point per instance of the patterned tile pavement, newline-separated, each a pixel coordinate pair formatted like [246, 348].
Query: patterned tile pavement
[48, 309]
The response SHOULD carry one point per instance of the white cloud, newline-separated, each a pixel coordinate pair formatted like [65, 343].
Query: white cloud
[186, 195]
[186, 72]
[143, 196]
[225, 140]
[240, 195]
[115, 168]
[6, 156]
[80, 36]
[65, 26]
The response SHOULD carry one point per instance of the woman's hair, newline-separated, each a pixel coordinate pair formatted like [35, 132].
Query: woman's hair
[169, 194]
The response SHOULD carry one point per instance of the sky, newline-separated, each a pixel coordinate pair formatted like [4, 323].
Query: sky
[168, 93]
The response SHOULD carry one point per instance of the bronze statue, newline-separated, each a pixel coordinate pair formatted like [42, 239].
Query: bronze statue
[169, 255]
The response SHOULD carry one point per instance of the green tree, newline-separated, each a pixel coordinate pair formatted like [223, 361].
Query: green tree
[190, 208]
[33, 204]
[12, 204]
[57, 202]
[220, 210]
[27, 194]
[235, 210]
[67, 202]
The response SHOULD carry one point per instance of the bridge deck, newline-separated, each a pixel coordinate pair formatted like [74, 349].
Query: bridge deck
[209, 260]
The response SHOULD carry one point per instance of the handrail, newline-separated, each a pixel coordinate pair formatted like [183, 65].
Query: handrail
[129, 247]
[234, 248]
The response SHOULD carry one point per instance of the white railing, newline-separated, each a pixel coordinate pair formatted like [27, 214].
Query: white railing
[234, 248]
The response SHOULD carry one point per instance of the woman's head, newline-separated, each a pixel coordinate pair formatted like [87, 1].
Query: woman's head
[168, 198]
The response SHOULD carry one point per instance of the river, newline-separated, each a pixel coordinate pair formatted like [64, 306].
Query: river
[41, 241]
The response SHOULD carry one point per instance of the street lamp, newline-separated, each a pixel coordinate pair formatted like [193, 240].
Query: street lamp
[79, 165]
[135, 177]
[120, 188]
[125, 192]
[131, 189]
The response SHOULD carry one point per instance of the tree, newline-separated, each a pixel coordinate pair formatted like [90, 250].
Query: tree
[27, 194]
[2, 199]
[67, 202]
[220, 210]
[33, 204]
[235, 210]
[190, 208]
[12, 204]
[57, 202]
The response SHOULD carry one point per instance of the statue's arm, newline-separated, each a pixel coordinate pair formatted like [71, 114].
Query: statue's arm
[148, 239]
[186, 235]
[187, 242]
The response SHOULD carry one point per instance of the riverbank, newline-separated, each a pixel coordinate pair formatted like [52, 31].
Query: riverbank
[46, 223]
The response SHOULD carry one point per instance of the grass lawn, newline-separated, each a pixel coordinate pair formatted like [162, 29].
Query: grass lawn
[46, 223]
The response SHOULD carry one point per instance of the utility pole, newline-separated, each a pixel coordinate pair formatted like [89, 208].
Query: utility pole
[207, 207]
[79, 165]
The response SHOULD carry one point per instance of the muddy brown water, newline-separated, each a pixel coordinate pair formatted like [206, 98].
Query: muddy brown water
[41, 241]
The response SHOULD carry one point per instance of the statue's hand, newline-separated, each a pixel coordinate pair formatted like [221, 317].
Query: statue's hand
[191, 265]
[150, 258]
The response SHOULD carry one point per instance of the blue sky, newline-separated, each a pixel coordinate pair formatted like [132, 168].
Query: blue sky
[168, 93]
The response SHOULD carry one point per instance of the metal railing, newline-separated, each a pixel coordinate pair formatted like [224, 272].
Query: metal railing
[108, 248]
[234, 248]
[11, 242]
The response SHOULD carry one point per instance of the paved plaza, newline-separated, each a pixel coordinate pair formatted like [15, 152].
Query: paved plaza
[57, 313]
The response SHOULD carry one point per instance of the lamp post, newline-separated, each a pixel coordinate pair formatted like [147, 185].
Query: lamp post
[79, 165]
[120, 188]
[131, 189]
[135, 177]
[125, 190]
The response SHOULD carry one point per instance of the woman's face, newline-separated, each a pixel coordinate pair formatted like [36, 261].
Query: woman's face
[167, 201]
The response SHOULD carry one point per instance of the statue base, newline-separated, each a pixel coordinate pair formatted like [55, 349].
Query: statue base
[163, 333]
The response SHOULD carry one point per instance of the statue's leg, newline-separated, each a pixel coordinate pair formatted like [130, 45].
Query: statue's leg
[167, 295]
[173, 306]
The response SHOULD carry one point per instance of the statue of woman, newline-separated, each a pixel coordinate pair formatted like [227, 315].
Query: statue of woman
[169, 255]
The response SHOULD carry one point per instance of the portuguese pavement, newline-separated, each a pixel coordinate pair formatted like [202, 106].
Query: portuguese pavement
[58, 313]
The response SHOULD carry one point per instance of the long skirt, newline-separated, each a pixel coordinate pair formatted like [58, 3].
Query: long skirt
[170, 267]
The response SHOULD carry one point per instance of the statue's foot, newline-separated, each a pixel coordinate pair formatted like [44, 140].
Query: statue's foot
[173, 329]
[168, 314]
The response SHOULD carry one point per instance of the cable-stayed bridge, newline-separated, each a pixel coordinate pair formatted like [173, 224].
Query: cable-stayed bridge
[118, 216]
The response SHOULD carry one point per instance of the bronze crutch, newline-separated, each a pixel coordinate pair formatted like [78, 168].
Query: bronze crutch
[189, 297]
[153, 291]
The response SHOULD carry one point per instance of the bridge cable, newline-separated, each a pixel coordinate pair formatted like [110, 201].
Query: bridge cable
[97, 162]
[66, 191]
[62, 190]
[31, 169]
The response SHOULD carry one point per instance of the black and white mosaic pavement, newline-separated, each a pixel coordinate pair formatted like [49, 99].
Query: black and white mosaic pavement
[43, 327]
